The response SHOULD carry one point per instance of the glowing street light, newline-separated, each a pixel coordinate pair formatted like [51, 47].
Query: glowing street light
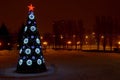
[86, 36]
[0, 44]
[45, 43]
[74, 36]
[61, 36]
[119, 42]
[8, 43]
[69, 42]
[102, 37]
[78, 42]
[93, 33]
[41, 37]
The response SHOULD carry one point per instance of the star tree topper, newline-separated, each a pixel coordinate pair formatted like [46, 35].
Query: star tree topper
[31, 7]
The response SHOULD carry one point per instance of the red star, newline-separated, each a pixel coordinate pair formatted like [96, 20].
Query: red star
[31, 7]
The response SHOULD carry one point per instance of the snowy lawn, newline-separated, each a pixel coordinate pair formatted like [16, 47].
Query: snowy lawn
[71, 65]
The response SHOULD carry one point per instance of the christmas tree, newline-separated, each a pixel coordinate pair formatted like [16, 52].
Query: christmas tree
[31, 58]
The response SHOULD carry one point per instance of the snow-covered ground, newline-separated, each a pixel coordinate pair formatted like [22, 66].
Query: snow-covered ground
[70, 65]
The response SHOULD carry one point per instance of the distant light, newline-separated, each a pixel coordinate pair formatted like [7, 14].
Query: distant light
[0, 44]
[74, 36]
[86, 42]
[102, 37]
[45, 43]
[8, 43]
[119, 42]
[69, 42]
[18, 45]
[86, 37]
[78, 42]
[41, 37]
[53, 35]
[93, 33]
[61, 36]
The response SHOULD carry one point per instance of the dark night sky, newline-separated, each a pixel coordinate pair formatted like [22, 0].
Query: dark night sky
[14, 12]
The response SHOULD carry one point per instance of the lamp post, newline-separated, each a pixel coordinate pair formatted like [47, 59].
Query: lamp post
[78, 43]
[69, 44]
[45, 43]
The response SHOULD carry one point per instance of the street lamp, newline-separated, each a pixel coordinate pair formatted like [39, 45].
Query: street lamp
[8, 44]
[61, 36]
[118, 42]
[0, 44]
[69, 42]
[86, 36]
[102, 37]
[78, 42]
[41, 37]
[45, 43]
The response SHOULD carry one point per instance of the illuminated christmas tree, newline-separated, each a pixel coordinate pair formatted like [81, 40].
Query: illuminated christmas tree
[31, 58]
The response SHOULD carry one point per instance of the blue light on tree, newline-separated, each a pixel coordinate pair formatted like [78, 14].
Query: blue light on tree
[32, 37]
[38, 41]
[20, 62]
[31, 16]
[39, 62]
[32, 28]
[29, 62]
[25, 28]
[23, 47]
[28, 51]
[29, 22]
[32, 47]
[25, 40]
[37, 50]
[33, 57]
[20, 51]
[24, 57]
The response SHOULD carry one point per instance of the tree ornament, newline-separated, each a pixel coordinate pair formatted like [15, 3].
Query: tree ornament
[39, 62]
[20, 62]
[29, 62]
[32, 28]
[28, 51]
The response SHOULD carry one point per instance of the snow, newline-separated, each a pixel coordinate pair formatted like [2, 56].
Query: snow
[70, 65]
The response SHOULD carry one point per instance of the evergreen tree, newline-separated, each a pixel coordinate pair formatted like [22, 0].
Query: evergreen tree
[5, 37]
[20, 35]
[31, 58]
